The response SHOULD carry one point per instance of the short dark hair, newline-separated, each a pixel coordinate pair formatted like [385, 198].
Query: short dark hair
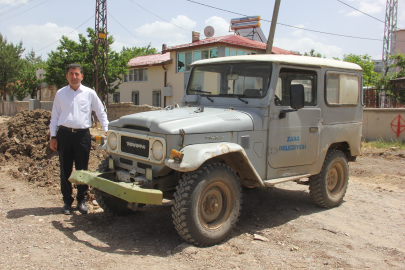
[74, 66]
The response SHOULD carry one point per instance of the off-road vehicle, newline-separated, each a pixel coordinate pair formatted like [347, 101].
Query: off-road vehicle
[246, 121]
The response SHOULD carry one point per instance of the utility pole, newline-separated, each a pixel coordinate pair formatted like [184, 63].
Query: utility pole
[273, 27]
[100, 57]
[390, 39]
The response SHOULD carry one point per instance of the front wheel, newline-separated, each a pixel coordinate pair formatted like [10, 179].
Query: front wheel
[207, 204]
[328, 188]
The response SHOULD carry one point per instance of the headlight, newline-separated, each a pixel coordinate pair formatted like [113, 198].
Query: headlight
[157, 150]
[112, 141]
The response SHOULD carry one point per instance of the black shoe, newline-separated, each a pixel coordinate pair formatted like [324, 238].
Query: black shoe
[82, 207]
[67, 209]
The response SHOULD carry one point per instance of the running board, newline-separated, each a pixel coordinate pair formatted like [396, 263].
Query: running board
[272, 182]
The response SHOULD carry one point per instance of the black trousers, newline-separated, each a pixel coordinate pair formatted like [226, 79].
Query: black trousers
[73, 146]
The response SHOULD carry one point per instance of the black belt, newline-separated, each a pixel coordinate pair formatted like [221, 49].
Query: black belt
[74, 130]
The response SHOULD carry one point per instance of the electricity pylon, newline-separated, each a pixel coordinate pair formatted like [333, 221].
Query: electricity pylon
[390, 39]
[100, 59]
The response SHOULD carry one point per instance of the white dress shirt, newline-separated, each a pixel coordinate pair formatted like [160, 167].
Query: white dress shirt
[73, 109]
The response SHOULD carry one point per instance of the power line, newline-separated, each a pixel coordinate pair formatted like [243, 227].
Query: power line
[160, 17]
[9, 4]
[23, 11]
[66, 35]
[127, 29]
[360, 11]
[14, 8]
[296, 27]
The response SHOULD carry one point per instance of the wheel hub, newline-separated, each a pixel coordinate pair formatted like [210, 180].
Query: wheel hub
[211, 204]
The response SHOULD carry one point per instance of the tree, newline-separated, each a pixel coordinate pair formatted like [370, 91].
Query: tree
[312, 53]
[28, 83]
[10, 64]
[129, 53]
[81, 53]
[369, 76]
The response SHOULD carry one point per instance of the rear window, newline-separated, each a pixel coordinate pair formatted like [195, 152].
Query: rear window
[342, 89]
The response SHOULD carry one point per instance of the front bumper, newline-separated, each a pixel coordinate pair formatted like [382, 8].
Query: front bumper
[126, 191]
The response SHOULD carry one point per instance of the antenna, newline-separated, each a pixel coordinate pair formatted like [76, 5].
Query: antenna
[209, 31]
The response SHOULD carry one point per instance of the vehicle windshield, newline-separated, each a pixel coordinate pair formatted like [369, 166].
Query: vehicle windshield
[231, 79]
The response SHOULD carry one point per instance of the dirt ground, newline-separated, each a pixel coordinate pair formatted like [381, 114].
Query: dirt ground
[279, 227]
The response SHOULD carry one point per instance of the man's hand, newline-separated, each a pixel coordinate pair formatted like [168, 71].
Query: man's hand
[54, 144]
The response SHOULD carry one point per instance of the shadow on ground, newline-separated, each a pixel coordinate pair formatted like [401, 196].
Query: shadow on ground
[153, 233]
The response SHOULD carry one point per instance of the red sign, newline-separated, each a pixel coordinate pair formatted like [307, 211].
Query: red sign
[398, 125]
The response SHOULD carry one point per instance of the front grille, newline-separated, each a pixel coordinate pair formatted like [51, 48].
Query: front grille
[126, 161]
[135, 146]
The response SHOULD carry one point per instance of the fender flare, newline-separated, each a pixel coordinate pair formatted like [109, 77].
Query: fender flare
[195, 155]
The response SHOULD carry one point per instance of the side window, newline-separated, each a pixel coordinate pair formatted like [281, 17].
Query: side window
[288, 77]
[156, 98]
[342, 89]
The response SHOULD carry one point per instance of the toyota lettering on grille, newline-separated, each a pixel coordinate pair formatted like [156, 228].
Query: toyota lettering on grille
[136, 145]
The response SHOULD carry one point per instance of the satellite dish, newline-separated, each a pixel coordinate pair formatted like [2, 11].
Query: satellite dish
[209, 31]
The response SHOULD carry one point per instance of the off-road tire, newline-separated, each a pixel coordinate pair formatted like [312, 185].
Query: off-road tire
[110, 204]
[207, 204]
[328, 188]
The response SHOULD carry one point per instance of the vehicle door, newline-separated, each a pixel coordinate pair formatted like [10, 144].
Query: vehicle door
[294, 134]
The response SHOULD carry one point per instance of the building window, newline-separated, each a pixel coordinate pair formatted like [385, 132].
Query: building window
[116, 97]
[135, 97]
[184, 60]
[156, 98]
[136, 75]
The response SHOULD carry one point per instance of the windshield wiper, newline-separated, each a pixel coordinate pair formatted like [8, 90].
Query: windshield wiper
[200, 91]
[239, 98]
[204, 92]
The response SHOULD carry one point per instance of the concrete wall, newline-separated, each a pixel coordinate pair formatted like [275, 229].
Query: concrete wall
[384, 123]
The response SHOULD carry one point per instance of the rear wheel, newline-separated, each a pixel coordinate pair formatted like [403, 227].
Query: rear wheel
[328, 188]
[207, 204]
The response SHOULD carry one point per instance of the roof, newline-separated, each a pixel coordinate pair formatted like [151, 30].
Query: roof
[150, 60]
[287, 59]
[233, 40]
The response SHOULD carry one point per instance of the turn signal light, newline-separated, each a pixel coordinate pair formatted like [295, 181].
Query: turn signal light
[176, 155]
[100, 139]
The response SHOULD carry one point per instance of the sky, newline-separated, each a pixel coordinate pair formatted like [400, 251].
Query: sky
[39, 24]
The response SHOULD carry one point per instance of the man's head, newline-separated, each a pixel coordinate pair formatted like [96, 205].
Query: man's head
[74, 75]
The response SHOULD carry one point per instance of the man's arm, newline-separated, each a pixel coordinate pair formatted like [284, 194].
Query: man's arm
[98, 108]
[54, 122]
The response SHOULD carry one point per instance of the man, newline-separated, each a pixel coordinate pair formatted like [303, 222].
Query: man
[70, 135]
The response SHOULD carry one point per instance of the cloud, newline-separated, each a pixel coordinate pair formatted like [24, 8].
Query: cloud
[303, 45]
[221, 27]
[173, 31]
[298, 32]
[39, 36]
[369, 8]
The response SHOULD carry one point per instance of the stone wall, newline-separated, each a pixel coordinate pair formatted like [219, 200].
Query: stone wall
[383, 123]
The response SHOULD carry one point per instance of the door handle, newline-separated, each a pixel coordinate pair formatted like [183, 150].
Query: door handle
[313, 129]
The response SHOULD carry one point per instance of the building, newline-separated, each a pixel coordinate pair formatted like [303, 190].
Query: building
[160, 79]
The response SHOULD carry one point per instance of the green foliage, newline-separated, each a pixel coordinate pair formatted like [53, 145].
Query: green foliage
[129, 53]
[312, 53]
[383, 144]
[365, 61]
[28, 83]
[10, 64]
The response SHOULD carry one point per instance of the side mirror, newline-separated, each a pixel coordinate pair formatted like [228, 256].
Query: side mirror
[297, 96]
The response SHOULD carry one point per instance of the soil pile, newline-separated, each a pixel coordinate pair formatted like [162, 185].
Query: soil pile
[24, 142]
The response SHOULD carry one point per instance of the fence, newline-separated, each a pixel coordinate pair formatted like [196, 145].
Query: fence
[377, 98]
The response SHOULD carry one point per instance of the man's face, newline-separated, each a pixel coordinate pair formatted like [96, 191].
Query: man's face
[74, 78]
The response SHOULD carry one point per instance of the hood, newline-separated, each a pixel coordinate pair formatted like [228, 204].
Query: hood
[191, 119]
